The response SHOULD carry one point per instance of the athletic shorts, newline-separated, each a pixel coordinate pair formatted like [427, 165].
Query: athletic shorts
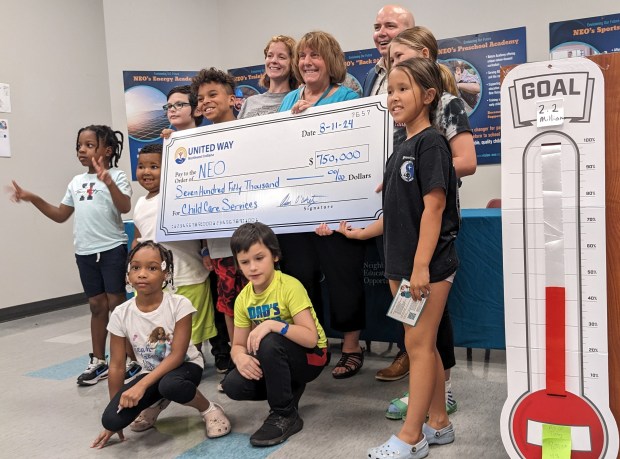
[103, 272]
[230, 282]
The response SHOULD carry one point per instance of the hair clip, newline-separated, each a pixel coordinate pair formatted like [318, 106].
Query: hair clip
[163, 265]
[128, 267]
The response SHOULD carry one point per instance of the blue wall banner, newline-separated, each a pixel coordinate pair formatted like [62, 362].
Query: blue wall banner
[145, 95]
[475, 61]
[247, 79]
[584, 37]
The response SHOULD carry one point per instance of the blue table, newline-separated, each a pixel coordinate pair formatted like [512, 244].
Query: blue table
[476, 300]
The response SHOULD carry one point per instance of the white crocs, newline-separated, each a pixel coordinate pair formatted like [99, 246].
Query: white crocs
[217, 424]
[146, 419]
[396, 448]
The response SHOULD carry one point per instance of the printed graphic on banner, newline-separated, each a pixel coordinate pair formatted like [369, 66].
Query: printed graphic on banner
[584, 37]
[475, 61]
[359, 64]
[145, 95]
[247, 81]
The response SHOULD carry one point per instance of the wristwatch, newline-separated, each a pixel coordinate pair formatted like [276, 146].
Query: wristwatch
[284, 329]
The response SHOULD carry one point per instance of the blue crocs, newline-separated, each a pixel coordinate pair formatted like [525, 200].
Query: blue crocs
[438, 437]
[395, 447]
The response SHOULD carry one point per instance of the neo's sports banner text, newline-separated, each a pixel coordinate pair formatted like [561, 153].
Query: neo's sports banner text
[291, 172]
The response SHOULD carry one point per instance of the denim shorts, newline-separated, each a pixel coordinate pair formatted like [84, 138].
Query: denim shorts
[103, 272]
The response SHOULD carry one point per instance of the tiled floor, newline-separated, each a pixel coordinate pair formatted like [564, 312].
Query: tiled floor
[45, 414]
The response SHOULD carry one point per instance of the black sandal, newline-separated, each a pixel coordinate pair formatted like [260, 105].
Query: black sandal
[352, 362]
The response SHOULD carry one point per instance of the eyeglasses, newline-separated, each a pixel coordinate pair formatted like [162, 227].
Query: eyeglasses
[176, 106]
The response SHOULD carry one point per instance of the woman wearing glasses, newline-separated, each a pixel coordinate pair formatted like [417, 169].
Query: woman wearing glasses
[278, 78]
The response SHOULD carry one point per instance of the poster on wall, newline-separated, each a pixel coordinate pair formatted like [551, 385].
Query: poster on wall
[247, 80]
[5, 143]
[145, 95]
[475, 61]
[358, 64]
[584, 37]
[5, 98]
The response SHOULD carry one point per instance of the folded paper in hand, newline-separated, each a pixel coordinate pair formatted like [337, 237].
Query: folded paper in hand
[404, 308]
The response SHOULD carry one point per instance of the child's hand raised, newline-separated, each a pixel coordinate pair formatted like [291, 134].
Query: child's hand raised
[103, 438]
[18, 194]
[101, 170]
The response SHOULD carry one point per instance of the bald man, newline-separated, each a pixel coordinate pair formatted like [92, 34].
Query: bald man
[391, 20]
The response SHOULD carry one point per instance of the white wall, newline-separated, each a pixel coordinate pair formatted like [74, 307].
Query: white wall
[53, 56]
[156, 35]
[64, 60]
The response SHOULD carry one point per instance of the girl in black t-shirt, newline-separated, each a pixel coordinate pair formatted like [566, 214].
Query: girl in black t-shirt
[420, 225]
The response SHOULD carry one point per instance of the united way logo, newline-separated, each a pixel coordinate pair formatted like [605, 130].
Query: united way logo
[180, 155]
[406, 171]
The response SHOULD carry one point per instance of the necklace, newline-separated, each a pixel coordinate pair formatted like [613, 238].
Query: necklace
[303, 90]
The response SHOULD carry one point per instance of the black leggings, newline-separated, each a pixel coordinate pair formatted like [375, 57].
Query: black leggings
[179, 385]
[341, 260]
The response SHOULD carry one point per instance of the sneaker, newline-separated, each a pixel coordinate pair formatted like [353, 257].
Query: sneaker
[222, 363]
[451, 405]
[146, 419]
[395, 447]
[276, 429]
[438, 437]
[132, 369]
[397, 370]
[96, 370]
[217, 424]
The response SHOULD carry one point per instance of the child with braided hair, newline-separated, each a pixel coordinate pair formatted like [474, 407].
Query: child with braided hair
[98, 198]
[152, 320]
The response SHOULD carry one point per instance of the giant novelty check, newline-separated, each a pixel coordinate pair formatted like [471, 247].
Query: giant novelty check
[290, 172]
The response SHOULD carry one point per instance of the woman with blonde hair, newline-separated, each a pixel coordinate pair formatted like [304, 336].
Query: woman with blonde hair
[279, 78]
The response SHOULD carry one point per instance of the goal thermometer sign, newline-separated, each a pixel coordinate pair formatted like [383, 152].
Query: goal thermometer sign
[553, 222]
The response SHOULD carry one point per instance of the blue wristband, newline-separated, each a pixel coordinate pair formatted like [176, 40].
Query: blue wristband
[204, 252]
[284, 329]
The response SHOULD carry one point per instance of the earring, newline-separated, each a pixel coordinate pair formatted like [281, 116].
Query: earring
[128, 286]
